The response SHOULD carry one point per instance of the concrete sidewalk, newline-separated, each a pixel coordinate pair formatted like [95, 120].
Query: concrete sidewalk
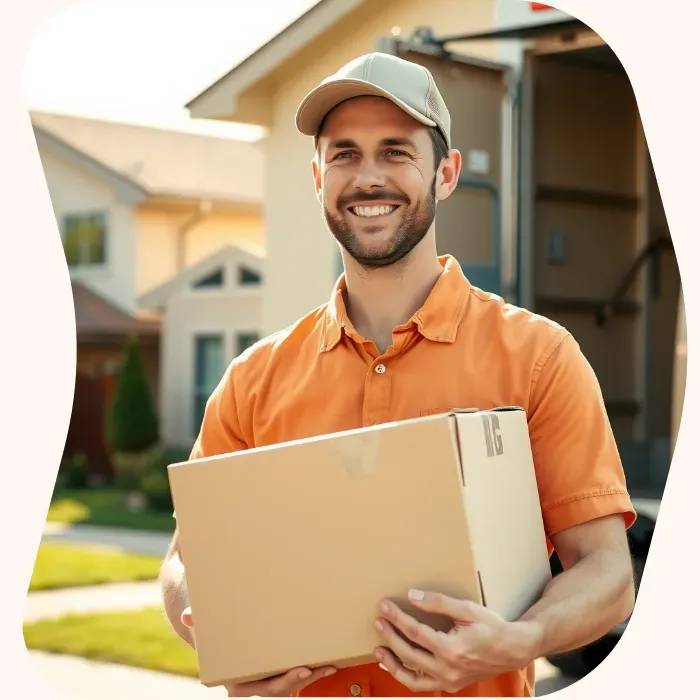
[92, 599]
[135, 541]
[106, 597]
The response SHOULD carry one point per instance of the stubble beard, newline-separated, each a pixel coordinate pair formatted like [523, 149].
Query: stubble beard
[410, 231]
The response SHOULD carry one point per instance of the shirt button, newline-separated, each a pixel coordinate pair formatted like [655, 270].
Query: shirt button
[380, 369]
[355, 690]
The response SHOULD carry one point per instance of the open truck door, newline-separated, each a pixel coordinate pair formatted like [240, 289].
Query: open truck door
[476, 223]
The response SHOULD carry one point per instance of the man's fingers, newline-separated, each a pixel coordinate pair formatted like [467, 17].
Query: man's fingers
[297, 679]
[186, 620]
[283, 685]
[410, 656]
[249, 690]
[262, 688]
[411, 680]
[417, 632]
[439, 604]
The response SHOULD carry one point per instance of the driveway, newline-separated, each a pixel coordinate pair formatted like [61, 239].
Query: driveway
[136, 541]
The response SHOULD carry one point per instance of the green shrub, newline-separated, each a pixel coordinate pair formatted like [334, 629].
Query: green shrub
[73, 473]
[132, 423]
[154, 483]
[174, 455]
[131, 467]
[156, 487]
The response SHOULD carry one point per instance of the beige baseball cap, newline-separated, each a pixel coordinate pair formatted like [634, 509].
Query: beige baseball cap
[408, 85]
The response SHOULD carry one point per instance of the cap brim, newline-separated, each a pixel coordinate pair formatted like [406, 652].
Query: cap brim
[316, 105]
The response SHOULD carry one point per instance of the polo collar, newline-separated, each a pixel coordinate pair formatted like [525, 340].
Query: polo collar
[437, 320]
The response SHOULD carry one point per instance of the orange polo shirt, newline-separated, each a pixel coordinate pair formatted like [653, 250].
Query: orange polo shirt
[463, 349]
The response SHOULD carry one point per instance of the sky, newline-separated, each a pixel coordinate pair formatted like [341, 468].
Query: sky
[141, 61]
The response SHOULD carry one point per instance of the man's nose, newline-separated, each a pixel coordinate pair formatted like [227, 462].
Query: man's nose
[370, 175]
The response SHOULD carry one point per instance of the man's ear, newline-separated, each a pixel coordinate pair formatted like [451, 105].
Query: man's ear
[316, 170]
[448, 175]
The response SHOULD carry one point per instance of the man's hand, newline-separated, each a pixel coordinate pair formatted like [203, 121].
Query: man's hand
[284, 685]
[480, 645]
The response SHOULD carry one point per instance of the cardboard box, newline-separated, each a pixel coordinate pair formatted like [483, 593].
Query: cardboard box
[289, 549]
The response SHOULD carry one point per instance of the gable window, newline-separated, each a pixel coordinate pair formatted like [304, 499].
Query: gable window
[214, 280]
[245, 340]
[248, 277]
[85, 239]
[208, 370]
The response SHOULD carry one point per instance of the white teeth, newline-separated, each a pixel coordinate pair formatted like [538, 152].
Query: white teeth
[374, 211]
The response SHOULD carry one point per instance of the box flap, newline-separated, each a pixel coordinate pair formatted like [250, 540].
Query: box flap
[503, 509]
[497, 409]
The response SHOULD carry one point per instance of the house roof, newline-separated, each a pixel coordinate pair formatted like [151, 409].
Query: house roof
[164, 162]
[296, 36]
[96, 316]
[89, 164]
[239, 253]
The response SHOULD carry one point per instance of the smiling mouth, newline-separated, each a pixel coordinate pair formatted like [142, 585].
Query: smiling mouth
[373, 211]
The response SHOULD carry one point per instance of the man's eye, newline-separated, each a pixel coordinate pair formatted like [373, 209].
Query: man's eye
[395, 153]
[343, 154]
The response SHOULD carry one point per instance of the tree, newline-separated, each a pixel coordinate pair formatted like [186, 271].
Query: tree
[133, 423]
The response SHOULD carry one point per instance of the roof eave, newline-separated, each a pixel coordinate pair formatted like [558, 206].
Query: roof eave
[253, 204]
[218, 101]
[129, 190]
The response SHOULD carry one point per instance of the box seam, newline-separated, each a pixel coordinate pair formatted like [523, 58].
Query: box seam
[455, 437]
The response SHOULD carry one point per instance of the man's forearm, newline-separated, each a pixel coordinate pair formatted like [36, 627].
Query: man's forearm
[582, 604]
[175, 596]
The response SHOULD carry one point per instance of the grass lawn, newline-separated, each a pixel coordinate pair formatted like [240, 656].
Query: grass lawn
[105, 507]
[65, 565]
[143, 639]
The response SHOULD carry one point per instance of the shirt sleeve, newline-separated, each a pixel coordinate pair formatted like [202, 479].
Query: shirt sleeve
[579, 471]
[220, 431]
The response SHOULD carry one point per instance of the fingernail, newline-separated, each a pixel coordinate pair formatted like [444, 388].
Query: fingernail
[329, 672]
[384, 607]
[379, 625]
[379, 655]
[384, 668]
[416, 595]
[303, 675]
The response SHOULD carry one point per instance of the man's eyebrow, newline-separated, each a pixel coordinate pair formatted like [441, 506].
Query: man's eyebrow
[400, 141]
[342, 143]
[390, 141]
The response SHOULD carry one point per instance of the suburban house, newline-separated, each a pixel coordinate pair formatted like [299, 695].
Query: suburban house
[210, 313]
[558, 209]
[143, 209]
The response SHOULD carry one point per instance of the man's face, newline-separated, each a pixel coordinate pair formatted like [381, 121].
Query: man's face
[376, 180]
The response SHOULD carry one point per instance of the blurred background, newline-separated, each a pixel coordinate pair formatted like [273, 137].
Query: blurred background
[178, 181]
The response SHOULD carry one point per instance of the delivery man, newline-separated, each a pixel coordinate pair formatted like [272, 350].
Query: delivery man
[405, 334]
